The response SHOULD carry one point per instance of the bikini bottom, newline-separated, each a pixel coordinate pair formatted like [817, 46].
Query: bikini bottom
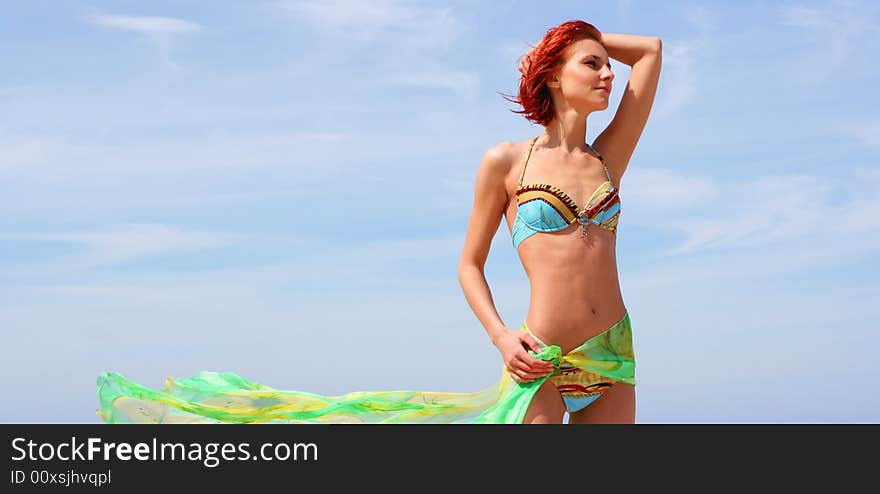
[584, 373]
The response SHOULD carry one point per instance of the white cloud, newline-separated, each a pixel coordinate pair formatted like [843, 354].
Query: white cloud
[685, 59]
[678, 78]
[837, 33]
[865, 130]
[159, 31]
[143, 24]
[305, 258]
[25, 152]
[217, 150]
[701, 18]
[129, 242]
[794, 209]
[796, 15]
[425, 247]
[405, 24]
[465, 83]
[75, 178]
[664, 190]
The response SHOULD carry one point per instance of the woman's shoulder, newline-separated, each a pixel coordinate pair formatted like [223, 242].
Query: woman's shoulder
[503, 155]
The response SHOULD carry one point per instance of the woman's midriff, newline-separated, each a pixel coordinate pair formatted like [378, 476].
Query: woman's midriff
[574, 288]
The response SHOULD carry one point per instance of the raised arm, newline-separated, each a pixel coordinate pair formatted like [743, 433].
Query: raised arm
[490, 199]
[644, 54]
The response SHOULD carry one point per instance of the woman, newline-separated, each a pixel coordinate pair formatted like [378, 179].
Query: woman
[567, 247]
[575, 303]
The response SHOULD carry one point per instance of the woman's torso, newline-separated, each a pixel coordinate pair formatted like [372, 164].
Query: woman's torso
[574, 288]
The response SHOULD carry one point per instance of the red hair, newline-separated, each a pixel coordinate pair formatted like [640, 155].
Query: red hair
[544, 58]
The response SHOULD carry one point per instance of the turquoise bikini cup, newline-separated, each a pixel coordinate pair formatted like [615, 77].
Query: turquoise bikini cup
[533, 217]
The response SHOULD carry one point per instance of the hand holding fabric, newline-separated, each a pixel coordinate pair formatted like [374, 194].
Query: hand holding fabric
[522, 366]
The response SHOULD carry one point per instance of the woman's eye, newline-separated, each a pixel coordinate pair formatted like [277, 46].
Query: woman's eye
[592, 62]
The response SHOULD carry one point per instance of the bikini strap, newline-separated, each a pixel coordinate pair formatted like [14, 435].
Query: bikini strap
[604, 165]
[526, 162]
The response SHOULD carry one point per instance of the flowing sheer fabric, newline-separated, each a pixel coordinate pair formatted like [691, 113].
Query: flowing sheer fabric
[226, 397]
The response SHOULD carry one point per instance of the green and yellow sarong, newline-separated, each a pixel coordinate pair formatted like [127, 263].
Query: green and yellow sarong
[225, 397]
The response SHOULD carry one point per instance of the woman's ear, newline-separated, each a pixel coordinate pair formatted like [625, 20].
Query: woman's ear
[553, 81]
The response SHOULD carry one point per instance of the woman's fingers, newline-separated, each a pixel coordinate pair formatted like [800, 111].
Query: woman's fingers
[531, 365]
[532, 362]
[525, 372]
[525, 378]
[523, 367]
[522, 377]
[531, 342]
[521, 370]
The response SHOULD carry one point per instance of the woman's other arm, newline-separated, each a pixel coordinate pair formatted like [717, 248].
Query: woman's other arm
[490, 199]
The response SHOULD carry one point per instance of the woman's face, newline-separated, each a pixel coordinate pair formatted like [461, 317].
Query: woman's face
[584, 79]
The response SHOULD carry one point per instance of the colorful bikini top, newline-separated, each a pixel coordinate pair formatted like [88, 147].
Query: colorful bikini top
[545, 208]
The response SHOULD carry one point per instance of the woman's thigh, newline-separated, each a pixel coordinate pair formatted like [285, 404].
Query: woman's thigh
[617, 405]
[546, 407]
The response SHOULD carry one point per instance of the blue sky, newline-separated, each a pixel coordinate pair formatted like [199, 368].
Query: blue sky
[281, 188]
